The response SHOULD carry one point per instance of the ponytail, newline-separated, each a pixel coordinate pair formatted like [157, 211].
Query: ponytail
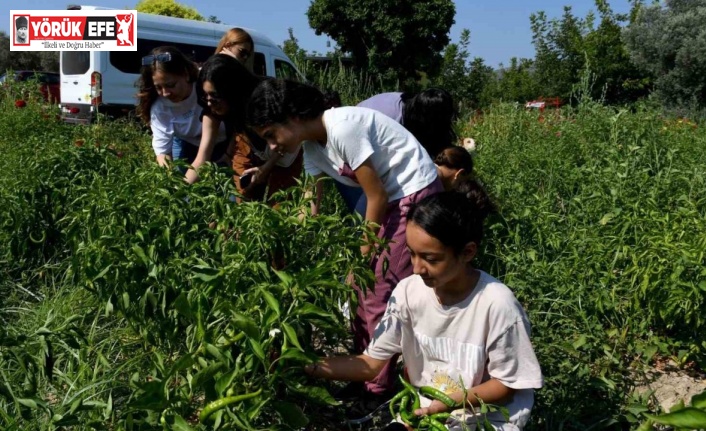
[454, 217]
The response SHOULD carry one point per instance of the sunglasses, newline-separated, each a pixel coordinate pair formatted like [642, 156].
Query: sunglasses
[149, 60]
[211, 98]
[244, 52]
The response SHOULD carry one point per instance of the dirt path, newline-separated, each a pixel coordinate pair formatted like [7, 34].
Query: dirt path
[671, 385]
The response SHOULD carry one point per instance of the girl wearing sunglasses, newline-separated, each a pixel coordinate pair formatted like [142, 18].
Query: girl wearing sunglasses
[168, 103]
[238, 43]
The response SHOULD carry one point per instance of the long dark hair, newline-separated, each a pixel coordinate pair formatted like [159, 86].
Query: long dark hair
[455, 217]
[429, 116]
[275, 101]
[178, 64]
[234, 83]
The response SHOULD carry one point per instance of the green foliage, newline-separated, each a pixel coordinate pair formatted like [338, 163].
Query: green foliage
[352, 85]
[132, 300]
[170, 8]
[678, 62]
[394, 39]
[26, 60]
[516, 82]
[566, 47]
[292, 49]
[601, 236]
[471, 84]
[454, 69]
[183, 297]
[680, 417]
[481, 78]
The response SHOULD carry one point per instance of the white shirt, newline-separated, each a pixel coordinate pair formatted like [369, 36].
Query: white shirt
[355, 135]
[485, 335]
[181, 119]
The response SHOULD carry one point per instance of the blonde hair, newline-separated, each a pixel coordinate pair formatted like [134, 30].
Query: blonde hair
[235, 36]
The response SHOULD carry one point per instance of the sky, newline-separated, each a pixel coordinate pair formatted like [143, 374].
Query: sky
[500, 30]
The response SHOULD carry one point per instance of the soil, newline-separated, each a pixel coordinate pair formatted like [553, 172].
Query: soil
[672, 384]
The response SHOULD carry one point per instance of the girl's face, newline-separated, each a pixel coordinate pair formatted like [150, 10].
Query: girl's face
[171, 86]
[282, 137]
[217, 104]
[448, 176]
[435, 262]
[241, 51]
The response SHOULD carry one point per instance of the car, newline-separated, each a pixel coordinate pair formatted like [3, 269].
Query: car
[49, 82]
[104, 81]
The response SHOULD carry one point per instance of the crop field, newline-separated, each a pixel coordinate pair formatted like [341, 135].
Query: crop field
[130, 300]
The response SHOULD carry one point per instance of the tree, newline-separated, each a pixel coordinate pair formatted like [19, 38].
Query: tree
[670, 43]
[397, 39]
[516, 82]
[618, 79]
[453, 75]
[26, 60]
[480, 81]
[560, 57]
[568, 47]
[214, 19]
[293, 50]
[168, 8]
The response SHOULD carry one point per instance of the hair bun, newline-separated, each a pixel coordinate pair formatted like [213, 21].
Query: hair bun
[477, 199]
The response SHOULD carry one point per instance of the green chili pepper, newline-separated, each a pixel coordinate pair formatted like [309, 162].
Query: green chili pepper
[436, 425]
[441, 416]
[436, 394]
[416, 403]
[223, 402]
[395, 399]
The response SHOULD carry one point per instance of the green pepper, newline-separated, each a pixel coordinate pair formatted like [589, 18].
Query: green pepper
[395, 399]
[441, 416]
[436, 394]
[223, 402]
[416, 402]
[435, 425]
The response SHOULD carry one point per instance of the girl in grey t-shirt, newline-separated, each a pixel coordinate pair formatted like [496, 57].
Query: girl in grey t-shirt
[456, 326]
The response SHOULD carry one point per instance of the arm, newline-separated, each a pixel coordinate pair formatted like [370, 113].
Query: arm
[260, 173]
[162, 138]
[348, 368]
[491, 392]
[319, 190]
[375, 194]
[209, 133]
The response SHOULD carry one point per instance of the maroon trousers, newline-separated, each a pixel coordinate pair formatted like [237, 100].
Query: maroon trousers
[372, 304]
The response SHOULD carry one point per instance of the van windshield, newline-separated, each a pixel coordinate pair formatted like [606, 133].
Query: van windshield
[130, 61]
[75, 62]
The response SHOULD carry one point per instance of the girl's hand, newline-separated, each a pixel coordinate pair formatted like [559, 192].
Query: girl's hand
[366, 249]
[434, 407]
[257, 177]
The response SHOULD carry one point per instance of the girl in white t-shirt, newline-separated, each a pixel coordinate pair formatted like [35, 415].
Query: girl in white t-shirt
[454, 324]
[168, 103]
[363, 148]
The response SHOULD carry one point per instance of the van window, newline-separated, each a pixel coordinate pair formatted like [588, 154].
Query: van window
[284, 70]
[131, 61]
[75, 62]
[259, 66]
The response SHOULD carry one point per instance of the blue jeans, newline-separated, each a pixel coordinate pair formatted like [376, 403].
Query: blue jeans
[187, 152]
[354, 198]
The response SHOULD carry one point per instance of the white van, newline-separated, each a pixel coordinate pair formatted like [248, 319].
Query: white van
[105, 81]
